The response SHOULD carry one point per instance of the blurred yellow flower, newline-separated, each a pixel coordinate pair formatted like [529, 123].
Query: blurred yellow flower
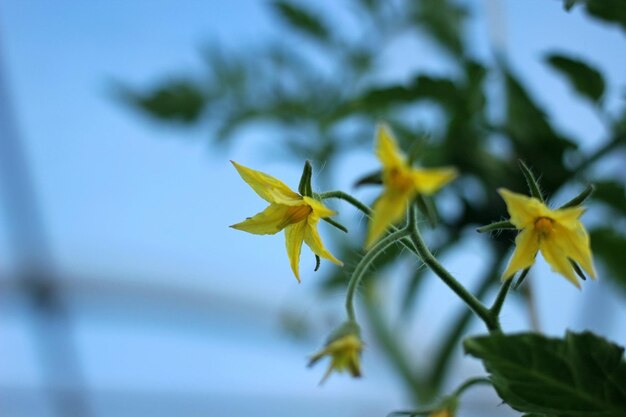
[445, 412]
[345, 354]
[401, 184]
[558, 234]
[288, 210]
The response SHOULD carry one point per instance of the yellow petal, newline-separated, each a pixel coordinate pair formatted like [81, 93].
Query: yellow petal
[388, 209]
[568, 217]
[318, 207]
[314, 241]
[558, 259]
[267, 187]
[428, 181]
[523, 210]
[526, 247]
[294, 235]
[574, 243]
[269, 221]
[387, 149]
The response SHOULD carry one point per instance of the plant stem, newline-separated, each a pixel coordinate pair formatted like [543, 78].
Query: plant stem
[499, 301]
[450, 342]
[428, 258]
[390, 342]
[364, 264]
[407, 243]
[471, 382]
[347, 198]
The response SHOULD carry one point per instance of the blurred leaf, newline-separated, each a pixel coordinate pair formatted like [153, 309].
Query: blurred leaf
[568, 4]
[609, 246]
[611, 193]
[440, 90]
[585, 79]
[611, 11]
[532, 136]
[301, 19]
[581, 375]
[443, 19]
[174, 101]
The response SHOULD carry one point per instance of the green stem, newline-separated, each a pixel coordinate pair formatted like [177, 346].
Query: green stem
[451, 340]
[407, 243]
[364, 264]
[390, 343]
[499, 301]
[347, 198]
[429, 259]
[470, 383]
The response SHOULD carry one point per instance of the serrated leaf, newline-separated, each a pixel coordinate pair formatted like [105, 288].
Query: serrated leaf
[585, 79]
[609, 247]
[580, 375]
[301, 19]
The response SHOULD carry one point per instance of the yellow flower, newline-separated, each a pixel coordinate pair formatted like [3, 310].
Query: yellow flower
[344, 353]
[401, 184]
[288, 210]
[558, 234]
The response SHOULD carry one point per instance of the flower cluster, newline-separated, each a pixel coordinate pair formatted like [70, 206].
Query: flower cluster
[557, 233]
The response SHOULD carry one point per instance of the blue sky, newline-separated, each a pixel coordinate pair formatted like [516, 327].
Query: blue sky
[133, 202]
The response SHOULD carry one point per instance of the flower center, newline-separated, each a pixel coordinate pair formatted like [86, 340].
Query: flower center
[543, 225]
[296, 214]
[399, 180]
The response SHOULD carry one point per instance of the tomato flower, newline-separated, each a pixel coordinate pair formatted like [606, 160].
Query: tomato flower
[345, 354]
[558, 234]
[297, 215]
[401, 184]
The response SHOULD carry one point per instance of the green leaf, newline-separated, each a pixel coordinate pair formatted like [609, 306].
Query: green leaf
[580, 375]
[585, 79]
[533, 137]
[611, 193]
[175, 101]
[440, 90]
[443, 19]
[301, 19]
[611, 11]
[609, 247]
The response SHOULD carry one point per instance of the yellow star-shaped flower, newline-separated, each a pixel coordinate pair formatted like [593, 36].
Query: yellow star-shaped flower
[401, 184]
[558, 234]
[288, 210]
[344, 353]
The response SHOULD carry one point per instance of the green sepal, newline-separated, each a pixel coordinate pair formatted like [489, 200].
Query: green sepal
[346, 328]
[504, 224]
[578, 271]
[305, 188]
[428, 208]
[375, 178]
[336, 224]
[521, 278]
[531, 181]
[580, 198]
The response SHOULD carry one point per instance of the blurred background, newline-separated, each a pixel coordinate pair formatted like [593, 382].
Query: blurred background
[122, 290]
